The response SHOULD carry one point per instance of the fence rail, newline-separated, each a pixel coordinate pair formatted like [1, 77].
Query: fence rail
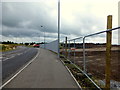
[73, 54]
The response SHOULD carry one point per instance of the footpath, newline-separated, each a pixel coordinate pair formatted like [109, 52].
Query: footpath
[46, 71]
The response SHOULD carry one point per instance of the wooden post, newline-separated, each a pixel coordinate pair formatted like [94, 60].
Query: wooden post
[66, 47]
[108, 53]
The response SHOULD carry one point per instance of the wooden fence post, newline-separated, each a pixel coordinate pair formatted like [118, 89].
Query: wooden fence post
[108, 53]
[66, 47]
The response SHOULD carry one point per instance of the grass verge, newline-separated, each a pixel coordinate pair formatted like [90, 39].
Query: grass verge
[83, 81]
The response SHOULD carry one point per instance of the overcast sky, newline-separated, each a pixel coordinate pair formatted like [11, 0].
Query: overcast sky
[22, 20]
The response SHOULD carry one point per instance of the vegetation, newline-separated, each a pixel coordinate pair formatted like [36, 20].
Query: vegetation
[7, 47]
[84, 82]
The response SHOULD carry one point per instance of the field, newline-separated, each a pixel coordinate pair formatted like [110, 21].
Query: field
[95, 61]
[7, 47]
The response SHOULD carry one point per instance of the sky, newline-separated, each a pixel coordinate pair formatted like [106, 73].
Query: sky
[21, 20]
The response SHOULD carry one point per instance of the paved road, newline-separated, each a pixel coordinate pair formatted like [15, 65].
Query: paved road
[14, 60]
[10, 54]
[46, 71]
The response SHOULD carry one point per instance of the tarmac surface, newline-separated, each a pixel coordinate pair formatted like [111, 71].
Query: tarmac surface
[46, 71]
[12, 61]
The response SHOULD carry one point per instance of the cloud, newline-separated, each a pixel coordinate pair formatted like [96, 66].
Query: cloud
[23, 17]
[29, 15]
[78, 18]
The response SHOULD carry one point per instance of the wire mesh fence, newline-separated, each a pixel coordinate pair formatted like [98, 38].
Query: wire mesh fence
[95, 57]
[89, 54]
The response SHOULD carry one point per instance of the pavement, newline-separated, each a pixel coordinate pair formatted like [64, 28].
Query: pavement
[46, 71]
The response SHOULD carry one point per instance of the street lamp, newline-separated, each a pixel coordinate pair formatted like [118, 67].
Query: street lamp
[58, 28]
[44, 36]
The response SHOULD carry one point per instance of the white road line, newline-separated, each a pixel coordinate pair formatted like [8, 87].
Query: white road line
[19, 71]
[19, 54]
[13, 56]
[5, 59]
[8, 58]
[19, 50]
[0, 58]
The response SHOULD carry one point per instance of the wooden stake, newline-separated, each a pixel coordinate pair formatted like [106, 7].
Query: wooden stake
[66, 47]
[108, 52]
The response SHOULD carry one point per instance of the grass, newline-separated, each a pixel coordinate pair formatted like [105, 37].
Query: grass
[84, 82]
[8, 47]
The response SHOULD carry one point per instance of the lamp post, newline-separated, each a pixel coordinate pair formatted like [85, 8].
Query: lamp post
[44, 36]
[58, 28]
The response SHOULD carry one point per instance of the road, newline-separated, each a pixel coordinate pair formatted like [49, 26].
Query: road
[46, 71]
[12, 61]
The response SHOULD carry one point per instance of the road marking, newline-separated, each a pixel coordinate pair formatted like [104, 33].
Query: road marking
[8, 58]
[0, 58]
[16, 51]
[19, 71]
[5, 59]
[19, 54]
[14, 56]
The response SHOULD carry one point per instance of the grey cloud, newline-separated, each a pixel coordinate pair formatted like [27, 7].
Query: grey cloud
[0, 17]
[30, 15]
[25, 20]
[21, 32]
[83, 25]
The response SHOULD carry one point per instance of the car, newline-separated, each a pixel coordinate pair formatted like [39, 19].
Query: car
[73, 48]
[36, 45]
